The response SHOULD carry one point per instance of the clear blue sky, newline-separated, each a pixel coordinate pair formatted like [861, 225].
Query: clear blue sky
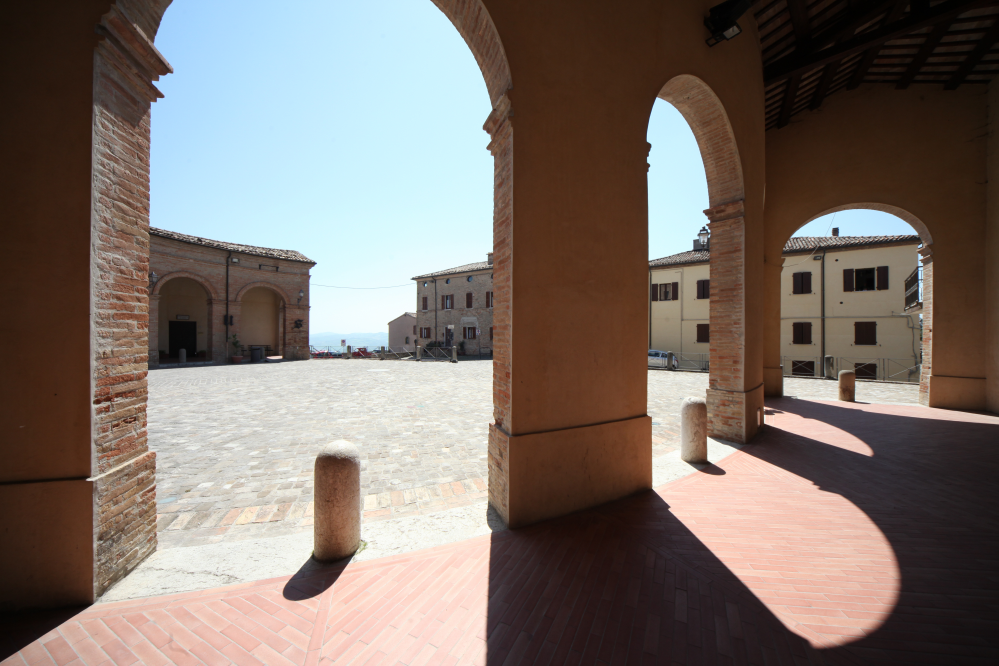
[352, 132]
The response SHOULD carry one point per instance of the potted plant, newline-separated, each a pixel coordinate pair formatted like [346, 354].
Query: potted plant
[237, 347]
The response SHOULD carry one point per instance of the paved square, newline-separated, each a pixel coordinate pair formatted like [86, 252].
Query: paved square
[236, 444]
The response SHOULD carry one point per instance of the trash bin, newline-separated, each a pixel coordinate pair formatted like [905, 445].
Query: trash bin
[256, 354]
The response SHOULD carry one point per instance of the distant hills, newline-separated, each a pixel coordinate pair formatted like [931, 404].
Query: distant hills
[353, 339]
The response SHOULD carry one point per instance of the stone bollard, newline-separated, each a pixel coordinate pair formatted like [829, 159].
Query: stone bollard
[182, 356]
[454, 354]
[349, 353]
[847, 385]
[694, 430]
[337, 510]
[419, 352]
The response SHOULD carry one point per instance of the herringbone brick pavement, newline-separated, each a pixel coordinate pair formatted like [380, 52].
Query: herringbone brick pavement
[847, 534]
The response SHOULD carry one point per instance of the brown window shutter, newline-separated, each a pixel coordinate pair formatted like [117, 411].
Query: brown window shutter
[882, 278]
[468, 300]
[795, 333]
[806, 333]
[707, 289]
[654, 292]
[443, 301]
[796, 284]
[806, 283]
[700, 289]
[676, 291]
[847, 279]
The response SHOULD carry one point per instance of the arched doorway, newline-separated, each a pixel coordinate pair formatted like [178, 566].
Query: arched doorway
[180, 317]
[261, 320]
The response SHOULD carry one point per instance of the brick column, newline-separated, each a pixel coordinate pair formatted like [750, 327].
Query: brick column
[499, 125]
[926, 367]
[733, 408]
[217, 345]
[296, 340]
[123, 474]
[773, 377]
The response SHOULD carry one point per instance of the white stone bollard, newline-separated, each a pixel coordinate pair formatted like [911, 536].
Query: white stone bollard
[337, 519]
[419, 352]
[182, 356]
[694, 430]
[847, 385]
[454, 354]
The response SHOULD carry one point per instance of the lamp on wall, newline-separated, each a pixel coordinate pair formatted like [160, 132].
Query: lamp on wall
[153, 278]
[722, 20]
[301, 295]
[703, 236]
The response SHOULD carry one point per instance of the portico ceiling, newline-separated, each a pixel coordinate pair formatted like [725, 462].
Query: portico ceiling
[814, 48]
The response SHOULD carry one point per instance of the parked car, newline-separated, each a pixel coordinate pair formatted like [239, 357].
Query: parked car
[362, 352]
[325, 353]
[662, 359]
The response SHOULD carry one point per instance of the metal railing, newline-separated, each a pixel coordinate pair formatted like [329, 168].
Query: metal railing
[679, 361]
[329, 351]
[876, 369]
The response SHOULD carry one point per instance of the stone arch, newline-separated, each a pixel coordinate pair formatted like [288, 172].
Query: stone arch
[203, 281]
[273, 287]
[901, 213]
[472, 21]
[707, 118]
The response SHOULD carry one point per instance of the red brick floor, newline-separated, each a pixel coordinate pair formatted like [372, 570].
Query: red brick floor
[846, 534]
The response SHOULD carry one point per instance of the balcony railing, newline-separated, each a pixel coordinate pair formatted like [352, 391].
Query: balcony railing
[914, 289]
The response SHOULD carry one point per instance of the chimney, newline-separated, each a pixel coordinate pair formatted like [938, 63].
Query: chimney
[835, 231]
[489, 258]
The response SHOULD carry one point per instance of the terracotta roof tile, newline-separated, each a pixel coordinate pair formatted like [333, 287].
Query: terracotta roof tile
[467, 268]
[287, 255]
[793, 246]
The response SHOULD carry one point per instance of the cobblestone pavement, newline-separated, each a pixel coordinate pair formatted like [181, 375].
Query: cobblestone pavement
[236, 444]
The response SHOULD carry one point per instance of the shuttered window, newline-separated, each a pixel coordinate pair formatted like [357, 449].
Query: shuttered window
[490, 333]
[865, 333]
[424, 332]
[864, 279]
[489, 299]
[882, 278]
[703, 289]
[847, 279]
[654, 292]
[801, 283]
[447, 302]
[704, 332]
[801, 333]
[468, 300]
[424, 302]
[675, 290]
[468, 332]
[866, 370]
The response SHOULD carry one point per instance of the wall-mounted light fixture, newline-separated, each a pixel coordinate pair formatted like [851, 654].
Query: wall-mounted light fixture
[153, 278]
[703, 236]
[722, 19]
[301, 295]
[235, 260]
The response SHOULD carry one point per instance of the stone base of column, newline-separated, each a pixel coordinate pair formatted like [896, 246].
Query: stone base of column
[967, 393]
[47, 551]
[551, 474]
[735, 416]
[124, 522]
[773, 382]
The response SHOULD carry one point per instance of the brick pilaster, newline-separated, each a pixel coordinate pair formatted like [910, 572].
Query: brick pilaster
[125, 64]
[499, 125]
[732, 409]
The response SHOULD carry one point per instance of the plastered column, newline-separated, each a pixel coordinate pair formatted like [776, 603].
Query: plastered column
[773, 376]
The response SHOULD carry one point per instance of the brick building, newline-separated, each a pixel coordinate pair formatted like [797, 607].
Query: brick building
[455, 307]
[202, 292]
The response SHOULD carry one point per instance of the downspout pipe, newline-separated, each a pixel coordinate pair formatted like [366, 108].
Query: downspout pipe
[228, 260]
[435, 309]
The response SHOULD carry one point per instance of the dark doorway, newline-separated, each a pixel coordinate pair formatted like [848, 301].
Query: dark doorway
[183, 335]
[448, 337]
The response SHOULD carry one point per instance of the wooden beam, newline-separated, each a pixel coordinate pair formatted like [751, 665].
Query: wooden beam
[859, 15]
[872, 53]
[931, 42]
[828, 74]
[974, 57]
[790, 94]
[799, 21]
[802, 62]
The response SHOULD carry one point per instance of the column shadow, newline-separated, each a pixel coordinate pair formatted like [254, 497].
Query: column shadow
[628, 582]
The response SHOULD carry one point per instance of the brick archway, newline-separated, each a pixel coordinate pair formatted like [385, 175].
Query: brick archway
[734, 409]
[206, 285]
[267, 285]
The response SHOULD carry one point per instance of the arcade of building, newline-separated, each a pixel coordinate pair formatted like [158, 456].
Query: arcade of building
[806, 112]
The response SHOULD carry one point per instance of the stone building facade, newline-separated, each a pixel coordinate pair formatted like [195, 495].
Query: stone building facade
[454, 307]
[203, 292]
[402, 332]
